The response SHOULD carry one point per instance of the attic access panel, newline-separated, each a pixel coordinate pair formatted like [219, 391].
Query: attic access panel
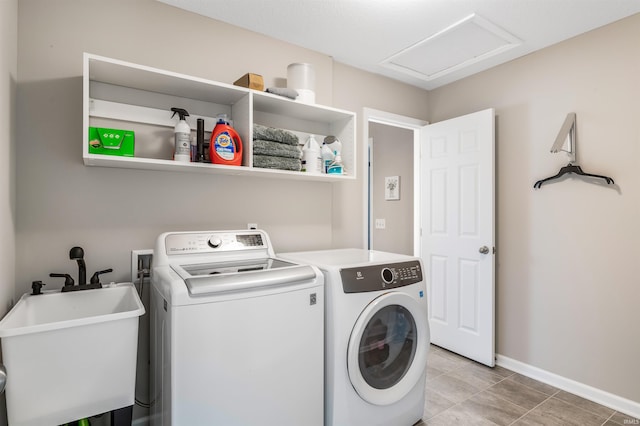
[468, 41]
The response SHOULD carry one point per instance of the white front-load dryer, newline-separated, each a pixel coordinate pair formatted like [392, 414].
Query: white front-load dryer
[376, 336]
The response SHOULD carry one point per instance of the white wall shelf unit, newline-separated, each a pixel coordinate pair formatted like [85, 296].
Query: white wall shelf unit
[123, 95]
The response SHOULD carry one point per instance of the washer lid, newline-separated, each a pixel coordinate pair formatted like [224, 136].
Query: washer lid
[387, 351]
[238, 267]
[225, 277]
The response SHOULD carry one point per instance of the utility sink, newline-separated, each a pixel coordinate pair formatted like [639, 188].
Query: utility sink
[70, 355]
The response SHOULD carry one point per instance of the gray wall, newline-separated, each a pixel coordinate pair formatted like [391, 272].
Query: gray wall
[8, 72]
[392, 156]
[568, 254]
[8, 81]
[62, 203]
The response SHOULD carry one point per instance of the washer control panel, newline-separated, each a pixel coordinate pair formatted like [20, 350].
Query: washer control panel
[211, 242]
[380, 277]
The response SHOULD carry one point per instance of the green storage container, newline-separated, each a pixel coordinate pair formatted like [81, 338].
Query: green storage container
[111, 141]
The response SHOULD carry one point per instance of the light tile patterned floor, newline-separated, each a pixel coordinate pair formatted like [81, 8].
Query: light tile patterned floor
[461, 392]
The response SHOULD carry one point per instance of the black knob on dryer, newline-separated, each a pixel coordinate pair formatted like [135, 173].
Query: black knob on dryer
[387, 275]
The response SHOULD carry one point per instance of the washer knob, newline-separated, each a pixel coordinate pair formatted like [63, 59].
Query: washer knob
[215, 242]
[387, 275]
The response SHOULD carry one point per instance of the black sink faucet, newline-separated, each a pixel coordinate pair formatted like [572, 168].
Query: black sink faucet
[77, 254]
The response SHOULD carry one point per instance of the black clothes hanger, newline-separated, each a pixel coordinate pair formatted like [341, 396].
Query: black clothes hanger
[567, 135]
[571, 168]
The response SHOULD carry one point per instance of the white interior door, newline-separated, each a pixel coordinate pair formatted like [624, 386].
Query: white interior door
[458, 233]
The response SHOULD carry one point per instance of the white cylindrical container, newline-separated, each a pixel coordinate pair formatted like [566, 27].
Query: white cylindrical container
[311, 156]
[302, 78]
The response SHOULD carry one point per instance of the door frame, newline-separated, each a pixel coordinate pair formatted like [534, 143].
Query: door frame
[371, 115]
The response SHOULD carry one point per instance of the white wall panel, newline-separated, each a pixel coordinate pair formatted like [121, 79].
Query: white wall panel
[438, 297]
[438, 202]
[468, 212]
[468, 302]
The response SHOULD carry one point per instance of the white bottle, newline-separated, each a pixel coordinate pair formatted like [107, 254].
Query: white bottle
[311, 155]
[182, 133]
[327, 157]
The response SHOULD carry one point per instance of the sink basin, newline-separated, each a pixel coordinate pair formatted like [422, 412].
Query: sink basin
[70, 355]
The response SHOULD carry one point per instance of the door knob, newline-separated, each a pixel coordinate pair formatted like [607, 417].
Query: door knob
[3, 378]
[484, 250]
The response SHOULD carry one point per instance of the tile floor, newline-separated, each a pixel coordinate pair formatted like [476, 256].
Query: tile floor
[461, 392]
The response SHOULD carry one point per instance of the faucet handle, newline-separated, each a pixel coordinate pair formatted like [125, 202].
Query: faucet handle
[68, 281]
[95, 278]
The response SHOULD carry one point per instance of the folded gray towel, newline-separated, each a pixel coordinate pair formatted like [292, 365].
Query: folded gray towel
[281, 163]
[287, 93]
[272, 134]
[276, 149]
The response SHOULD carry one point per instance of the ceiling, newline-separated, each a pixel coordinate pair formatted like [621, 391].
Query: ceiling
[425, 43]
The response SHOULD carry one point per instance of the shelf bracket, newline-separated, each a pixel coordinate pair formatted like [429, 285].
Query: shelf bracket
[567, 135]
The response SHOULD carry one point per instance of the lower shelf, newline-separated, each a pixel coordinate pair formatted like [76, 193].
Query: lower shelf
[173, 166]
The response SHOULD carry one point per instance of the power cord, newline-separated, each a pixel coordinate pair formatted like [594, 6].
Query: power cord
[144, 270]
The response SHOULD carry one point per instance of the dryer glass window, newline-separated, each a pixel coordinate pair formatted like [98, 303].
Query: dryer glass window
[387, 347]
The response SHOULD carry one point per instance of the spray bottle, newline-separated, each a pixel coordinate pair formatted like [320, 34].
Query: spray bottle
[182, 134]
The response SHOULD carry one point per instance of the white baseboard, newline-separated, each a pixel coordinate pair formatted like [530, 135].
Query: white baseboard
[615, 402]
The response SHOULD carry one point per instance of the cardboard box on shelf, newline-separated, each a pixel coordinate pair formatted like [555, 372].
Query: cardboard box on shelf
[252, 81]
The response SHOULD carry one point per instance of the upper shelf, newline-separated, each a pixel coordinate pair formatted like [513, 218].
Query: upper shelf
[119, 73]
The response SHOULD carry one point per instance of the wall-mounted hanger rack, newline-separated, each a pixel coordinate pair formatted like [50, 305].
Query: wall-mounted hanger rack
[567, 135]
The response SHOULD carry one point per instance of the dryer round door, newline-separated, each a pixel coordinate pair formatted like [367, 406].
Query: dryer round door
[387, 351]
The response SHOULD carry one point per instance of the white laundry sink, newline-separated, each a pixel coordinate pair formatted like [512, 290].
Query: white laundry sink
[70, 355]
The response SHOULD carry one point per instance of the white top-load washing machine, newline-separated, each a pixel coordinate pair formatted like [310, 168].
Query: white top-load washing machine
[377, 336]
[237, 335]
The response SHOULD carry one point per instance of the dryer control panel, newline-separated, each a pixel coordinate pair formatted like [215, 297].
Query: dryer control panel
[366, 278]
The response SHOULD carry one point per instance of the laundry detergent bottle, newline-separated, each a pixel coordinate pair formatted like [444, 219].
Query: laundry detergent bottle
[225, 146]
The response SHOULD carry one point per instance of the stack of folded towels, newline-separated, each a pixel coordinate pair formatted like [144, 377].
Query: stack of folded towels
[276, 149]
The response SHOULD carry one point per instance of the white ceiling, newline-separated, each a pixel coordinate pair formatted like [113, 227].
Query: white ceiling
[425, 43]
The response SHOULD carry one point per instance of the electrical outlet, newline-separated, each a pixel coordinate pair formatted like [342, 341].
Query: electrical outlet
[252, 226]
[141, 259]
[380, 224]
